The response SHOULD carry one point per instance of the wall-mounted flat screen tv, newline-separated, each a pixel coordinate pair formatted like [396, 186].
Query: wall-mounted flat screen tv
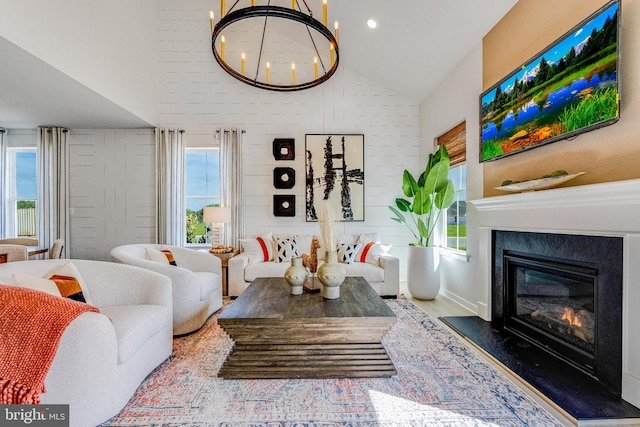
[569, 88]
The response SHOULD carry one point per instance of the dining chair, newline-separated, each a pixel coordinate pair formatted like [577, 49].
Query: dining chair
[25, 241]
[56, 249]
[14, 252]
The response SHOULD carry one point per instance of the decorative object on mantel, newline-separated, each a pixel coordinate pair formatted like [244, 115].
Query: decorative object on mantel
[310, 261]
[284, 205]
[316, 52]
[284, 149]
[431, 193]
[331, 274]
[335, 171]
[284, 178]
[545, 183]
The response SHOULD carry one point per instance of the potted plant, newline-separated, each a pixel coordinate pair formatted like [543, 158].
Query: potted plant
[425, 200]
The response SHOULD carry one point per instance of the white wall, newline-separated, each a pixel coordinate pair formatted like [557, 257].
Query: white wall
[114, 54]
[456, 100]
[112, 192]
[198, 96]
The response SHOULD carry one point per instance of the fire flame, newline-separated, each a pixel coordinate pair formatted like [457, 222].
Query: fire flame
[571, 317]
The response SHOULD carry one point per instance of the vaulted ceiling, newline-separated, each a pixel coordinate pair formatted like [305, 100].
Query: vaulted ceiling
[415, 45]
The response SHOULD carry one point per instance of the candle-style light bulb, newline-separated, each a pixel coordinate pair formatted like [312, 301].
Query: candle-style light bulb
[211, 20]
[293, 73]
[324, 12]
[222, 48]
[331, 53]
[268, 72]
[222, 9]
[293, 4]
[242, 65]
[335, 26]
[315, 67]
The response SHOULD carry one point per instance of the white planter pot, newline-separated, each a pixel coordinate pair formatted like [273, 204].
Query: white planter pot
[423, 278]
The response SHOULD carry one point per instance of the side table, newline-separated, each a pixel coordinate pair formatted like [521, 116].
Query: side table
[224, 258]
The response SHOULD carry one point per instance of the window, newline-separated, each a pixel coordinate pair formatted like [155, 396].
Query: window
[456, 224]
[202, 188]
[22, 192]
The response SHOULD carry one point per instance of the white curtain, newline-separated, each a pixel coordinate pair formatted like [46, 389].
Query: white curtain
[170, 187]
[4, 182]
[231, 182]
[53, 186]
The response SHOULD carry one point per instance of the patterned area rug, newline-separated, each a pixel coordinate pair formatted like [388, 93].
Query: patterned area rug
[440, 382]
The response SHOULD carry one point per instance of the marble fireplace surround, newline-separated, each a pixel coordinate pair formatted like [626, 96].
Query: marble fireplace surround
[608, 209]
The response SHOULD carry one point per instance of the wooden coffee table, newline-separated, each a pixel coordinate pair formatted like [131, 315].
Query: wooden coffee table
[279, 335]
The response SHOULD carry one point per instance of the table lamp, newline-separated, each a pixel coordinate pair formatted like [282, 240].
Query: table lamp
[217, 215]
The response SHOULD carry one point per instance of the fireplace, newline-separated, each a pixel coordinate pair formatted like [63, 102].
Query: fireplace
[562, 293]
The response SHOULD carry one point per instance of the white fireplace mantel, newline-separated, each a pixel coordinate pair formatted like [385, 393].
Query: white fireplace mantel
[611, 209]
[605, 194]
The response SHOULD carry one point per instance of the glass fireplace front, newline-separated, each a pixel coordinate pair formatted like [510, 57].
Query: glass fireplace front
[552, 303]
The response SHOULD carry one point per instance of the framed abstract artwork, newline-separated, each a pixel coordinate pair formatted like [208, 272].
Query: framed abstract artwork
[335, 172]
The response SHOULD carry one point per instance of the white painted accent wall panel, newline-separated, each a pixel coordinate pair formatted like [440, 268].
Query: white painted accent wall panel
[112, 190]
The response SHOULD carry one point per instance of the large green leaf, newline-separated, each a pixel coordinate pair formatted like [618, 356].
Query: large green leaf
[437, 177]
[409, 184]
[444, 198]
[399, 217]
[423, 229]
[403, 205]
[422, 202]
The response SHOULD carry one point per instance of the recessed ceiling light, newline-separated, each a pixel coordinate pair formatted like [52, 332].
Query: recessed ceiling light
[372, 23]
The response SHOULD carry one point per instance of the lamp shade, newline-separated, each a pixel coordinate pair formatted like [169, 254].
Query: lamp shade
[217, 214]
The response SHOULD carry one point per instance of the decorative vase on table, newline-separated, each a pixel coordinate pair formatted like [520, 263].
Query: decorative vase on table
[423, 274]
[331, 274]
[296, 276]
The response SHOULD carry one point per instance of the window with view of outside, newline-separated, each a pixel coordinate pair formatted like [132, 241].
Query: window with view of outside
[455, 140]
[202, 188]
[457, 212]
[24, 191]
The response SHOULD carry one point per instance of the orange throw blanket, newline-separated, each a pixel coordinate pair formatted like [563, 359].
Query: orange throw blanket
[31, 324]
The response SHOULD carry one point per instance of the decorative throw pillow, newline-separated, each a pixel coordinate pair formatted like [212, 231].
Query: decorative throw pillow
[69, 287]
[286, 248]
[371, 252]
[69, 269]
[169, 255]
[347, 253]
[163, 255]
[259, 249]
[58, 285]
[156, 255]
[36, 283]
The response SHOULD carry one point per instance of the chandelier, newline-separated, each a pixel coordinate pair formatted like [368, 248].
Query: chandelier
[258, 46]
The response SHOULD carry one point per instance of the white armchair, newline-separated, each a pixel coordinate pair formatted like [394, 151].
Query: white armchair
[196, 281]
[103, 357]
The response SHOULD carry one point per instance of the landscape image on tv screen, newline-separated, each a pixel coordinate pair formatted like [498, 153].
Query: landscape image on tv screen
[569, 88]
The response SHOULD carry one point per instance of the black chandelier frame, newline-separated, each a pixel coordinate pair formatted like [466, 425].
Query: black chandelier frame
[268, 11]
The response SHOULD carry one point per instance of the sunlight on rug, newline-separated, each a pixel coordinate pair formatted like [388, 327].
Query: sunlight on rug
[440, 382]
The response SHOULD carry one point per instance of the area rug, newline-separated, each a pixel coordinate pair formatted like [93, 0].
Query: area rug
[440, 382]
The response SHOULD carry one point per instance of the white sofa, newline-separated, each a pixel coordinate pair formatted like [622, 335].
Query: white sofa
[103, 357]
[384, 276]
[196, 280]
